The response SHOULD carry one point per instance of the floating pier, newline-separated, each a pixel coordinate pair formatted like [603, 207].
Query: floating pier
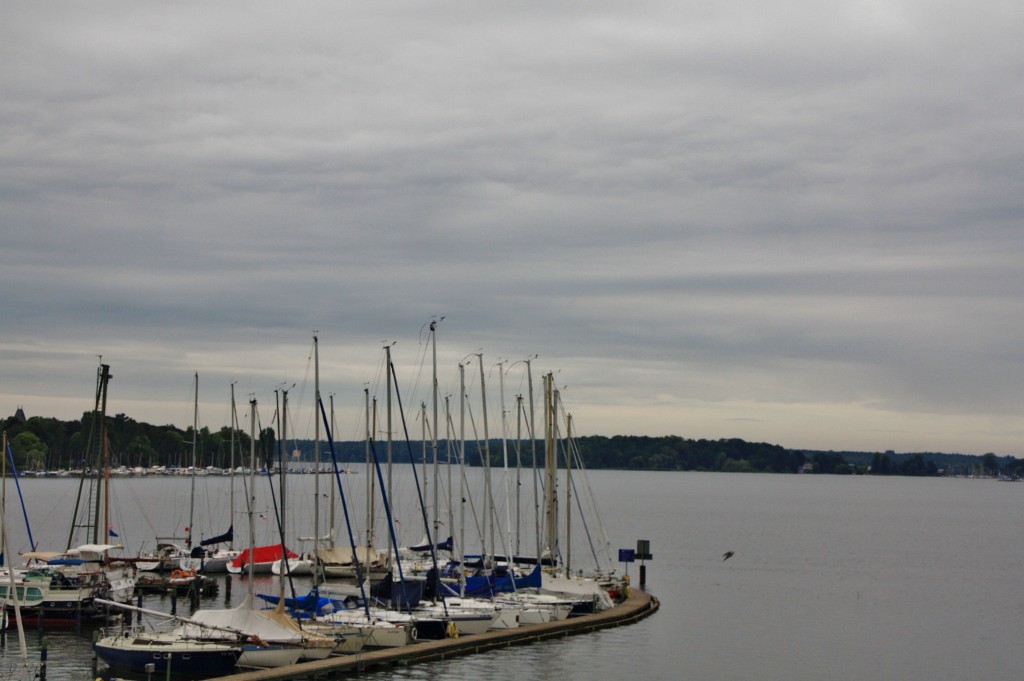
[637, 606]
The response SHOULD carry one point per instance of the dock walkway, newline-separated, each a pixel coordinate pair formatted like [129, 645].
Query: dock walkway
[639, 605]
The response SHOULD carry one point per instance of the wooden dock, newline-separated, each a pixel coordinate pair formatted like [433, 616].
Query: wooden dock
[639, 605]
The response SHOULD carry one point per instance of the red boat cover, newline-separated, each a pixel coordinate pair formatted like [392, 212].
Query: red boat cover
[262, 554]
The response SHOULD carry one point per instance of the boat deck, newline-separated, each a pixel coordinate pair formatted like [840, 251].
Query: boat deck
[639, 605]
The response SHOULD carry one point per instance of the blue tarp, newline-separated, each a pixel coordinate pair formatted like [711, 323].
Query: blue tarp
[490, 585]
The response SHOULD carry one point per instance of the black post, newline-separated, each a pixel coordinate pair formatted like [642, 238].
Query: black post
[643, 552]
[42, 661]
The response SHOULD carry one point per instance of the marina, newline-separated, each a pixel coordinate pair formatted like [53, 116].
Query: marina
[478, 581]
[634, 608]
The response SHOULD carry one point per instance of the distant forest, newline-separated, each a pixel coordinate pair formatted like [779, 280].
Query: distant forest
[41, 443]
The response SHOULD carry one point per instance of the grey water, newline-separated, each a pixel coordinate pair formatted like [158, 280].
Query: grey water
[830, 577]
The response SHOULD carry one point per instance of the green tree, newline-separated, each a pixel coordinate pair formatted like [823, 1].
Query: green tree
[881, 464]
[29, 451]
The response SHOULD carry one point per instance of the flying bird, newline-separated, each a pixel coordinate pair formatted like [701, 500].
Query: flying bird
[727, 555]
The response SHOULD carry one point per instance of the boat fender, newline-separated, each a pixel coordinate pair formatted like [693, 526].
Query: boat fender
[453, 630]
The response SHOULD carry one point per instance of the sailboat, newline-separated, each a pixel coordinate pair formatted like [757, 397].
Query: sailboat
[142, 651]
[215, 561]
[280, 639]
[67, 583]
[175, 553]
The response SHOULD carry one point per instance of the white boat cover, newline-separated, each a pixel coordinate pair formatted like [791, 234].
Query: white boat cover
[272, 626]
[343, 556]
[576, 589]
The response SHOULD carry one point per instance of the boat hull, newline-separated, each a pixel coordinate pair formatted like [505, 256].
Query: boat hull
[181, 658]
[263, 657]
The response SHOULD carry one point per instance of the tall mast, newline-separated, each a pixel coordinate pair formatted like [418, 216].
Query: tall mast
[330, 539]
[105, 445]
[390, 453]
[234, 439]
[488, 498]
[550, 467]
[533, 450]
[12, 590]
[519, 468]
[504, 462]
[283, 459]
[448, 456]
[369, 476]
[423, 454]
[195, 464]
[568, 492]
[461, 553]
[316, 459]
[434, 429]
[251, 497]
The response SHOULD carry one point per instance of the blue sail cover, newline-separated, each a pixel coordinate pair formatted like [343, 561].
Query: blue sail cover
[490, 585]
[227, 536]
[312, 604]
[446, 545]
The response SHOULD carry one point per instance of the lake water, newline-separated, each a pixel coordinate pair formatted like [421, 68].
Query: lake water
[839, 578]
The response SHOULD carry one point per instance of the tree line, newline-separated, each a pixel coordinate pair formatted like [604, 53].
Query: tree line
[52, 444]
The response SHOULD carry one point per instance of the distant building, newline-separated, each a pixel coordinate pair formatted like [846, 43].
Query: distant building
[19, 415]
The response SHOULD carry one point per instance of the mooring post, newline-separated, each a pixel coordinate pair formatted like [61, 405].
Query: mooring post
[42, 660]
[643, 552]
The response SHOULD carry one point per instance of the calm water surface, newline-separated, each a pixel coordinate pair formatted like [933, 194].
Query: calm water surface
[839, 578]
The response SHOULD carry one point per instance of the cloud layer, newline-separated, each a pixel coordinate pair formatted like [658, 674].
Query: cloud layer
[797, 223]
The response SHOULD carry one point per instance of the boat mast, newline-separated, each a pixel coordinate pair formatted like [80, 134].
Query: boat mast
[390, 452]
[423, 456]
[316, 459]
[533, 449]
[434, 429]
[251, 497]
[448, 457]
[369, 479]
[568, 492]
[330, 540]
[88, 521]
[519, 468]
[234, 440]
[283, 460]
[461, 553]
[550, 467]
[488, 497]
[504, 462]
[195, 463]
[12, 589]
[105, 445]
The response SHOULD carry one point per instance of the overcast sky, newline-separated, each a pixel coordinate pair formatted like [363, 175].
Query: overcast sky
[797, 222]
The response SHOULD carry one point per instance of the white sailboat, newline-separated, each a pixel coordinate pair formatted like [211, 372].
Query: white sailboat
[276, 638]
